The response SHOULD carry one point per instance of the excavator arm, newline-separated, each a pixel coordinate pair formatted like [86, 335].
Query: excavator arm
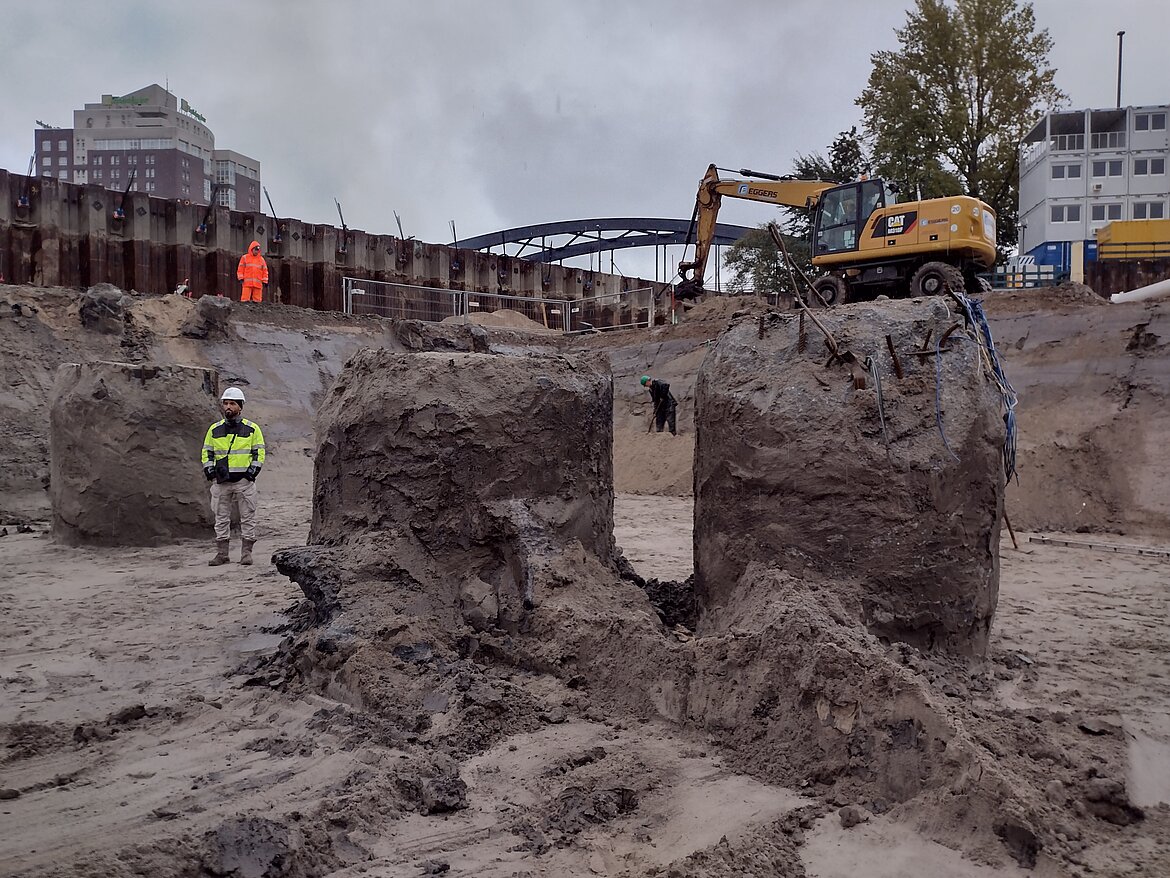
[770, 189]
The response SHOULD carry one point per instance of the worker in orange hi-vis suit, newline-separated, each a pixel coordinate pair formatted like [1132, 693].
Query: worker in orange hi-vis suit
[253, 271]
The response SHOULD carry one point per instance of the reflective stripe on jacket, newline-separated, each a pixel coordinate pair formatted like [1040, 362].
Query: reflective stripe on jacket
[241, 443]
[252, 270]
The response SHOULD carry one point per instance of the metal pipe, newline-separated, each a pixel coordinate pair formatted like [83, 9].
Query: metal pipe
[1120, 40]
[1157, 290]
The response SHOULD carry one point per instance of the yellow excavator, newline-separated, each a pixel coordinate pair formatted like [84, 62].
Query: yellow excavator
[865, 243]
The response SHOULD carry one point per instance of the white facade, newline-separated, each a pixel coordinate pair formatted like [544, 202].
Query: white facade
[1082, 169]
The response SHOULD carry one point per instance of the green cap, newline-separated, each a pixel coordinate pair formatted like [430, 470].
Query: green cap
[645, 380]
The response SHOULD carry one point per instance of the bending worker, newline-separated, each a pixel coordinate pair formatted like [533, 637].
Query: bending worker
[253, 271]
[233, 452]
[664, 405]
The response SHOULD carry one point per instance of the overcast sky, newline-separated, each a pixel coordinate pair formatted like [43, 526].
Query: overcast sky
[502, 113]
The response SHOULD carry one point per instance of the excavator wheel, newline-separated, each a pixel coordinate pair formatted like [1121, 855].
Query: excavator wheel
[833, 290]
[936, 279]
[978, 286]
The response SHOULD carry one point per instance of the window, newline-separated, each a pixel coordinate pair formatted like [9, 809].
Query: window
[1149, 210]
[1074, 172]
[46, 145]
[62, 175]
[97, 175]
[1060, 172]
[114, 175]
[63, 161]
[47, 162]
[1108, 140]
[150, 159]
[1111, 168]
[1066, 213]
[1068, 141]
[62, 145]
[150, 173]
[97, 159]
[1102, 212]
[131, 159]
[1149, 122]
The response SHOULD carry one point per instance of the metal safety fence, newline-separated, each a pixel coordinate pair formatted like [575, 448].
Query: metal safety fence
[624, 310]
[629, 309]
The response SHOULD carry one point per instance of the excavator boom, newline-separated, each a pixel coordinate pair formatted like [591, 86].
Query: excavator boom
[781, 191]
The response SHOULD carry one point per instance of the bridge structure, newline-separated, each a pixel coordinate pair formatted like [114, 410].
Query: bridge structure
[557, 241]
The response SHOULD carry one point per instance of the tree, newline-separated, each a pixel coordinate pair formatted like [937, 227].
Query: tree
[756, 266]
[754, 259]
[946, 111]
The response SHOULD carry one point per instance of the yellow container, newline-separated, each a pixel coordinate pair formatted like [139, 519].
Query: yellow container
[1134, 239]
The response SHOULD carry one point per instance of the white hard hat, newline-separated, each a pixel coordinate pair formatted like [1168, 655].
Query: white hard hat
[233, 393]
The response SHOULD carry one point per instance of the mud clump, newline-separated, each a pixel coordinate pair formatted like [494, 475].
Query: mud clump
[256, 847]
[824, 471]
[124, 447]
[102, 308]
[211, 319]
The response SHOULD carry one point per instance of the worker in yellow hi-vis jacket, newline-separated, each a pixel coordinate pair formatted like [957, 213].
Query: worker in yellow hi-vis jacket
[233, 453]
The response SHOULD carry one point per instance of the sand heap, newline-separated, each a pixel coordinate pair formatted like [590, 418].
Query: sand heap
[452, 493]
[124, 447]
[798, 467]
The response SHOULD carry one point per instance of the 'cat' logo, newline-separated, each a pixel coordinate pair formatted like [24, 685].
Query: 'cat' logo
[895, 224]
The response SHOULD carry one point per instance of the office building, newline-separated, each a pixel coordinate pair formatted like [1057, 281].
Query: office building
[148, 141]
[1083, 169]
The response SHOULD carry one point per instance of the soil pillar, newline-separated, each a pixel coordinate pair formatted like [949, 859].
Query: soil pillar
[824, 471]
[124, 449]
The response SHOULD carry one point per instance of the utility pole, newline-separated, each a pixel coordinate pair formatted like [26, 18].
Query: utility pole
[1120, 40]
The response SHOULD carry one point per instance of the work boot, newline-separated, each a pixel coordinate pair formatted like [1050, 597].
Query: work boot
[246, 555]
[221, 554]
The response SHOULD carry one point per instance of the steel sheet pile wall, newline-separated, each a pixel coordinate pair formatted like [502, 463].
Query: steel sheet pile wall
[68, 235]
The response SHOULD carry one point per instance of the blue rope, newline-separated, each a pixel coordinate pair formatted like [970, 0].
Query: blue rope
[975, 316]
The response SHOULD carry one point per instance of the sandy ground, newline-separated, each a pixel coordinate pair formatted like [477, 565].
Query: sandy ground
[136, 712]
[133, 713]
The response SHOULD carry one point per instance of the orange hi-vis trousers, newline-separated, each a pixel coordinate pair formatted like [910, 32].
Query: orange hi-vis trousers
[252, 294]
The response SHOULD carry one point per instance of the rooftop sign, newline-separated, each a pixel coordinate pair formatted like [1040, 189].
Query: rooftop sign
[191, 111]
[129, 101]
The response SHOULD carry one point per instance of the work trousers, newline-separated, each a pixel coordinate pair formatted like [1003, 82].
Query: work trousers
[665, 415]
[243, 494]
[252, 294]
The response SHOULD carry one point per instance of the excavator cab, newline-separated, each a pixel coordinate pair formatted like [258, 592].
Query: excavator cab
[842, 214]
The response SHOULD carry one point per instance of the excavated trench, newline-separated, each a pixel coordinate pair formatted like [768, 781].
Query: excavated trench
[840, 587]
[463, 591]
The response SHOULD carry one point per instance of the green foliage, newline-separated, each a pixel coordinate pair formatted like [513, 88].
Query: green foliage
[946, 111]
[756, 264]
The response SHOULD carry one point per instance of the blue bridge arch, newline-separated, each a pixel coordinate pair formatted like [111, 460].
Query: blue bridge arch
[587, 236]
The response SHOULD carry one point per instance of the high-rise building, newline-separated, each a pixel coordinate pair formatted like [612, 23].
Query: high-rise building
[1083, 169]
[148, 141]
